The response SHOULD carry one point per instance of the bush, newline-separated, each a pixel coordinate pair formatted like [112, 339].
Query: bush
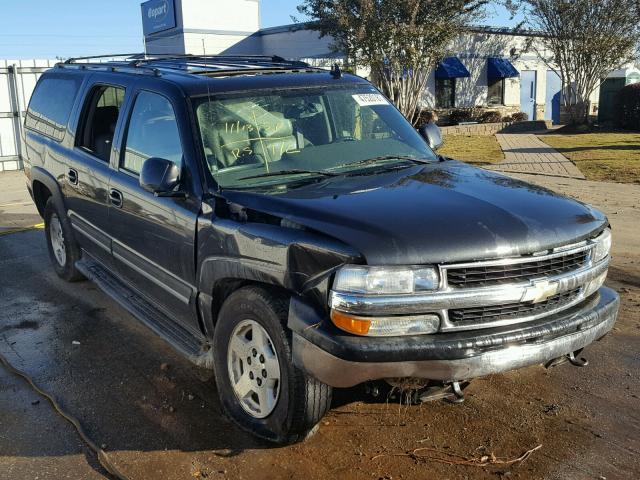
[490, 117]
[426, 116]
[507, 119]
[459, 116]
[520, 117]
[628, 107]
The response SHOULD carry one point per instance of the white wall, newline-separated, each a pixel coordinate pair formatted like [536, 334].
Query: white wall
[210, 26]
[296, 45]
[224, 15]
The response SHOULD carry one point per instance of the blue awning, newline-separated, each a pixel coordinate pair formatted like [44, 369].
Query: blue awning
[501, 68]
[451, 67]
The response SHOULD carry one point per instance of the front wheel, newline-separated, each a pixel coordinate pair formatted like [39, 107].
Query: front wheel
[259, 388]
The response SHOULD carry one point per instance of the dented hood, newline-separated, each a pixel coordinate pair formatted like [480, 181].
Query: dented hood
[437, 213]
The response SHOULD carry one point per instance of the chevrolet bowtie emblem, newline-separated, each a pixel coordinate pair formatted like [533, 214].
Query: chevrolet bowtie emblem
[540, 291]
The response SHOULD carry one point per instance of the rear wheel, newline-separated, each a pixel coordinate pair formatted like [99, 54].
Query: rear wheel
[259, 388]
[63, 251]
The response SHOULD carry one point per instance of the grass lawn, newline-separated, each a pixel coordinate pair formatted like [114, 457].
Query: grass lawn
[478, 149]
[611, 157]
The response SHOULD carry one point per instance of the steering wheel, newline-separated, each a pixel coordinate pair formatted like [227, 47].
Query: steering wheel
[347, 138]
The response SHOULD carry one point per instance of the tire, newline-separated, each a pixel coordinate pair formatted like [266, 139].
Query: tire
[63, 250]
[301, 400]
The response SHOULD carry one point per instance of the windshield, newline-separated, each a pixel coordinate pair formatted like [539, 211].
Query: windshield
[282, 136]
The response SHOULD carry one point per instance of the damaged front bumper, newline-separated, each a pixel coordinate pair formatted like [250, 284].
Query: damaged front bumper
[342, 360]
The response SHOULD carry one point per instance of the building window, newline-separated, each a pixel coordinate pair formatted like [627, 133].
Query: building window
[495, 95]
[445, 92]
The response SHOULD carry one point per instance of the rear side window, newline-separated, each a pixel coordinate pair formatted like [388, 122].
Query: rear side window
[99, 120]
[51, 105]
[153, 132]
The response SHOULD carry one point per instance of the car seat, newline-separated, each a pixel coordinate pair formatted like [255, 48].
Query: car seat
[275, 139]
[104, 125]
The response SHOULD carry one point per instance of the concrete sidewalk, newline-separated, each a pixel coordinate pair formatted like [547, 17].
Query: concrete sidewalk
[526, 153]
[17, 210]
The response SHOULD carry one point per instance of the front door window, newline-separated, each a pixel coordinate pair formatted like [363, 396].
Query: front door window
[153, 132]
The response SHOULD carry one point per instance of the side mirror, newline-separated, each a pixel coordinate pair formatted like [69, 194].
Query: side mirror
[159, 176]
[432, 135]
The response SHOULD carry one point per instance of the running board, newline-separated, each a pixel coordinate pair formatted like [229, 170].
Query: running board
[194, 347]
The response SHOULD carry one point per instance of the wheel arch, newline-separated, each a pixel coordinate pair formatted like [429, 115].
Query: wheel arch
[44, 186]
[212, 299]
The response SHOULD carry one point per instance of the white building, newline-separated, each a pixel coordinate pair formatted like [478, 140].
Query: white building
[497, 73]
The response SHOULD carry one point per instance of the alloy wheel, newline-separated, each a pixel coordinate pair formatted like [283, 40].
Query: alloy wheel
[254, 369]
[57, 240]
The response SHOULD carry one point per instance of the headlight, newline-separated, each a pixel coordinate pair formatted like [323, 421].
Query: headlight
[386, 326]
[385, 280]
[603, 246]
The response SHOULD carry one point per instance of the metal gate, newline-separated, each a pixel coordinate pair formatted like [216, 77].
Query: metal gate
[17, 80]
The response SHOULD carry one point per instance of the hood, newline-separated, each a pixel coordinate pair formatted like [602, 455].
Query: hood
[438, 213]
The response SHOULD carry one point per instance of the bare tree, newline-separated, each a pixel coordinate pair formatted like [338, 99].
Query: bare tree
[401, 41]
[583, 41]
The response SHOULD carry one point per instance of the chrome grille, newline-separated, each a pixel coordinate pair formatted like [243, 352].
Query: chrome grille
[474, 276]
[509, 311]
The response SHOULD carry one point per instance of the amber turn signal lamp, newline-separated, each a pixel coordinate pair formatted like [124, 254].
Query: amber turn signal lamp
[343, 321]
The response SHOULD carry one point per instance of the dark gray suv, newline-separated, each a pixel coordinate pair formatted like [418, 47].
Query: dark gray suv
[288, 228]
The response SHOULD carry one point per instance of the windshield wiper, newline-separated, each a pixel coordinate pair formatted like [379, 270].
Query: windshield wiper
[381, 158]
[291, 172]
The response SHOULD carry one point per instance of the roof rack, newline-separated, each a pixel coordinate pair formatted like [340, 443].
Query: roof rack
[139, 58]
[110, 67]
[218, 60]
[142, 63]
[111, 55]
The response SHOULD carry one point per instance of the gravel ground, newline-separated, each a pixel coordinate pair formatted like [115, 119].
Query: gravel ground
[158, 416]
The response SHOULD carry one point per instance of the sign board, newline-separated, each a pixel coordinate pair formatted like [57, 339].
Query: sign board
[157, 16]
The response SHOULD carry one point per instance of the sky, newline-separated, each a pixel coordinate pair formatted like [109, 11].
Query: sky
[47, 29]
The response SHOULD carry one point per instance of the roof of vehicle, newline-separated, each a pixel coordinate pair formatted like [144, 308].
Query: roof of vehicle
[231, 72]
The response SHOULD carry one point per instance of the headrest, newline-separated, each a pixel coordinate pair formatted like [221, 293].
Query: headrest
[105, 118]
[278, 126]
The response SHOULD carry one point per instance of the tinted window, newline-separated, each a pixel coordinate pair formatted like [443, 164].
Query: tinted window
[102, 110]
[153, 132]
[51, 105]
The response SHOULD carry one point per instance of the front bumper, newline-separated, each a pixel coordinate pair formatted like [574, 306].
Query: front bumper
[342, 360]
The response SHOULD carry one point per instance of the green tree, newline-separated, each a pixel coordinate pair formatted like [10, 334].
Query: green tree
[400, 41]
[583, 41]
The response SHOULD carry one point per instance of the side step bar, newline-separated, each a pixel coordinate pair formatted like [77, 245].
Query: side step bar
[194, 347]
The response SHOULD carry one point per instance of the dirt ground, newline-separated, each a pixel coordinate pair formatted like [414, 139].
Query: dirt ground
[166, 423]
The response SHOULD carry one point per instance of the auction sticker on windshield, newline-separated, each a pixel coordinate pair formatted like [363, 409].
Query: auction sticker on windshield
[370, 99]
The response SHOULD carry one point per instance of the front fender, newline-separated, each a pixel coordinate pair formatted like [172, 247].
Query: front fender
[294, 259]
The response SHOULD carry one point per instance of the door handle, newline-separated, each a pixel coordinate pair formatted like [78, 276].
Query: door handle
[72, 175]
[115, 196]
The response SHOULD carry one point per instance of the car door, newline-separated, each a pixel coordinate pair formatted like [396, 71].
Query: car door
[88, 166]
[153, 237]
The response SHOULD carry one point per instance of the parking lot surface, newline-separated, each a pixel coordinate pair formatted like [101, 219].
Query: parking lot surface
[158, 416]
